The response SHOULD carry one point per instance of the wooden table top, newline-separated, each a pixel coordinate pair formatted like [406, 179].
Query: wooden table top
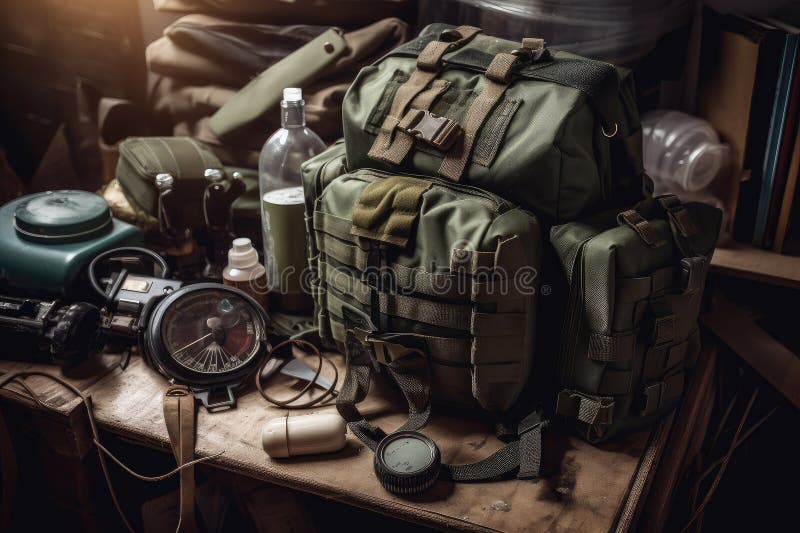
[590, 492]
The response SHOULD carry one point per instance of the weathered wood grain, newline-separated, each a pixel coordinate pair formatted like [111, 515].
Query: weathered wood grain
[586, 493]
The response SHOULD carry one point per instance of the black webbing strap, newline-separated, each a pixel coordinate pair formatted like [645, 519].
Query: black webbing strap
[523, 455]
[412, 375]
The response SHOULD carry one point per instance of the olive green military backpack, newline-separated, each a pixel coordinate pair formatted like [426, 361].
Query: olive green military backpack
[556, 133]
[428, 224]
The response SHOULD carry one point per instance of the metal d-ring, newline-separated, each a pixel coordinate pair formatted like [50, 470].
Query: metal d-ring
[609, 135]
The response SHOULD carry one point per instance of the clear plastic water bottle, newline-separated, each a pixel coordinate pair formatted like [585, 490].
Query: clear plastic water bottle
[279, 164]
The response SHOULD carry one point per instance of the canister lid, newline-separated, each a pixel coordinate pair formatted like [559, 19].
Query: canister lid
[61, 216]
[287, 196]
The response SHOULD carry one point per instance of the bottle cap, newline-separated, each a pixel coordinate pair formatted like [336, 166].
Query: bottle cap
[242, 254]
[292, 94]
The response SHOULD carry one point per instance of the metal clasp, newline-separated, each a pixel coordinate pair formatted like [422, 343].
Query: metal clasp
[439, 132]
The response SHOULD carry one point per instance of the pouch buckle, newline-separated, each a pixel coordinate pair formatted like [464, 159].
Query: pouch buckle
[439, 132]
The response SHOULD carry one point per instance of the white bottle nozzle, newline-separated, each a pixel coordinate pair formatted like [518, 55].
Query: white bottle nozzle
[292, 94]
[242, 254]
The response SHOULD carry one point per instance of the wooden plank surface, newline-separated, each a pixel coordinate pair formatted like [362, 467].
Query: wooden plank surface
[774, 361]
[698, 397]
[748, 262]
[65, 426]
[586, 494]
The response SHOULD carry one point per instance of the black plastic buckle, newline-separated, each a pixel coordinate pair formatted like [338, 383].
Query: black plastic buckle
[439, 132]
[222, 405]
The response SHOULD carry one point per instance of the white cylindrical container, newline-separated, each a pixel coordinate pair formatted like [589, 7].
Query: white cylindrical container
[245, 272]
[287, 436]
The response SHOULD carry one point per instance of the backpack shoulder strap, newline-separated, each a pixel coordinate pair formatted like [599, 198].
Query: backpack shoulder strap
[412, 375]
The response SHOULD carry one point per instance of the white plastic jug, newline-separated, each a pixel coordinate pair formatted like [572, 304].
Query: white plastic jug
[681, 152]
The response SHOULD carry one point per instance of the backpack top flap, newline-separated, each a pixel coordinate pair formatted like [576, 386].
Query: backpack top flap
[546, 132]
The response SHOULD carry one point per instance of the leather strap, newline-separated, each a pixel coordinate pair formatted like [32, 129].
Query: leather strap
[180, 417]
[429, 64]
[498, 78]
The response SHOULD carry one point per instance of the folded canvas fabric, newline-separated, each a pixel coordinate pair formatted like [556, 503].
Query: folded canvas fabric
[202, 61]
[327, 12]
[206, 49]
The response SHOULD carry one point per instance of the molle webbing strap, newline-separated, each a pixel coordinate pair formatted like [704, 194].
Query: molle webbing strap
[411, 281]
[441, 314]
[658, 394]
[663, 329]
[693, 270]
[498, 76]
[617, 347]
[680, 222]
[595, 411]
[447, 315]
[471, 262]
[431, 56]
[497, 324]
[429, 64]
[642, 227]
[507, 258]
[179, 415]
[678, 214]
[341, 281]
[345, 253]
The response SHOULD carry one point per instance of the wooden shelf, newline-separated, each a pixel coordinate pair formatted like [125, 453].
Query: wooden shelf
[749, 262]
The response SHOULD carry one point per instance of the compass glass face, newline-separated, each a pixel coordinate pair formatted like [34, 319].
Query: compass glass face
[212, 331]
[407, 455]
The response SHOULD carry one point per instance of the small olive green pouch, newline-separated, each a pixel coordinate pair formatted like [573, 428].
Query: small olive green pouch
[262, 95]
[387, 209]
[143, 158]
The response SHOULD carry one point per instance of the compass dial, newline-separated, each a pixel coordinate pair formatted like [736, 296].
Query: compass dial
[212, 331]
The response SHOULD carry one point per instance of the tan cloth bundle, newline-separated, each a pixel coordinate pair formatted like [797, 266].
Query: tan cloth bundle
[203, 61]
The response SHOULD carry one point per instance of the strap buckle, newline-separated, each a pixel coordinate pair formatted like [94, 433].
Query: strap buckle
[439, 132]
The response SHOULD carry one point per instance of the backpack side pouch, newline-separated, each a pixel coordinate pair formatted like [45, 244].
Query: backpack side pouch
[631, 332]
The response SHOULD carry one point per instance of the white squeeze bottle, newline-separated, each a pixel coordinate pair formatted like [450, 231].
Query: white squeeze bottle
[279, 163]
[244, 272]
